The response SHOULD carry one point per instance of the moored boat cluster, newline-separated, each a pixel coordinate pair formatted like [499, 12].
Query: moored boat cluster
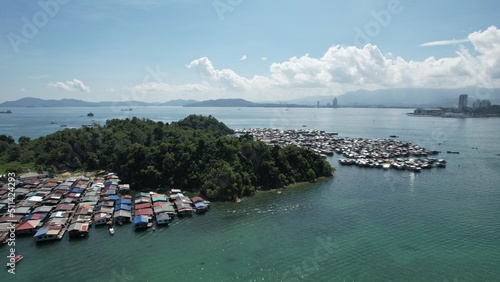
[374, 153]
[318, 141]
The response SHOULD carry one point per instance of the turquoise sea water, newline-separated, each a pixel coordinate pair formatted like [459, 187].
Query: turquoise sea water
[360, 225]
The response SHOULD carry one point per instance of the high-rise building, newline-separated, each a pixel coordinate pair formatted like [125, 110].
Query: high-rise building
[334, 104]
[462, 101]
[481, 104]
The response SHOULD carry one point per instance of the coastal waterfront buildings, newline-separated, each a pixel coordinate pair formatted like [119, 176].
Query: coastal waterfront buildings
[428, 112]
[481, 104]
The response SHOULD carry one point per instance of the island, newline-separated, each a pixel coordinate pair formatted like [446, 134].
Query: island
[197, 154]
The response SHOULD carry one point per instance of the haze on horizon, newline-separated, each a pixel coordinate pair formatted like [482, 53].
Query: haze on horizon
[156, 51]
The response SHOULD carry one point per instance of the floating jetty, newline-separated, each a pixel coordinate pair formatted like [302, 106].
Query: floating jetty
[372, 153]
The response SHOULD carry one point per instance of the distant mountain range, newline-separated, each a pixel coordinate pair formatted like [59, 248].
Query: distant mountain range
[223, 103]
[37, 102]
[239, 103]
[361, 98]
[425, 97]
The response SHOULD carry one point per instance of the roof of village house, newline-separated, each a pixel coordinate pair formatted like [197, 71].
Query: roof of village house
[15, 218]
[164, 208]
[148, 211]
[123, 207]
[43, 209]
[141, 219]
[142, 206]
[22, 210]
[124, 201]
[29, 224]
[156, 204]
[122, 213]
[78, 226]
[40, 216]
[162, 217]
[64, 207]
[159, 198]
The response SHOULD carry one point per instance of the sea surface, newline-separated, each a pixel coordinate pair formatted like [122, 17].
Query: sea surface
[359, 225]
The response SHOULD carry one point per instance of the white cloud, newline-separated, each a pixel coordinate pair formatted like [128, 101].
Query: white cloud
[347, 68]
[444, 42]
[70, 85]
[38, 76]
[226, 78]
[244, 57]
[263, 58]
[23, 90]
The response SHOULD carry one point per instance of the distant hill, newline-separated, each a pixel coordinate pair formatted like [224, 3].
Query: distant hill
[242, 103]
[179, 102]
[37, 102]
[224, 103]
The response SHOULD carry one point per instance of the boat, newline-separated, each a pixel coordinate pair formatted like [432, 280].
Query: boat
[111, 230]
[452, 152]
[53, 122]
[129, 109]
[62, 125]
[6, 112]
[90, 114]
[393, 136]
[16, 259]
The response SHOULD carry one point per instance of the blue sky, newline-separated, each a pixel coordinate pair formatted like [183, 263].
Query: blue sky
[157, 51]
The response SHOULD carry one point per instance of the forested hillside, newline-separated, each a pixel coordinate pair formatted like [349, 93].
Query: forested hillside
[196, 153]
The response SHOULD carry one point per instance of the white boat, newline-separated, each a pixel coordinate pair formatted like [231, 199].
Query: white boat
[111, 230]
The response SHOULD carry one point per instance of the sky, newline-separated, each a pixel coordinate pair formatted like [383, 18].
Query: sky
[161, 50]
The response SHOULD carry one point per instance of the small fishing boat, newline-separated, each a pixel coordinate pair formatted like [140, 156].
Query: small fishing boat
[17, 258]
